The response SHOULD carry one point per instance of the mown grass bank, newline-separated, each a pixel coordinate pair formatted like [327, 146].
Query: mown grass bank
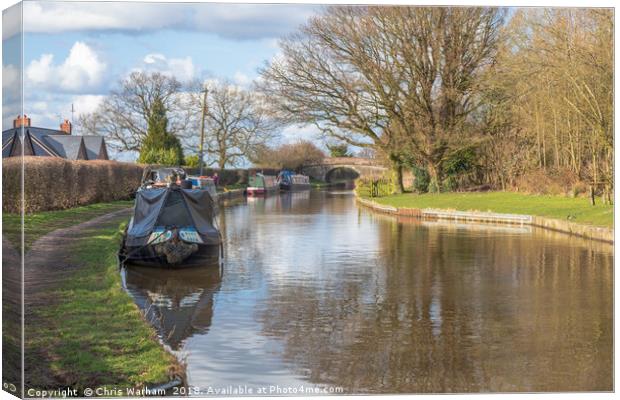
[38, 224]
[577, 210]
[90, 333]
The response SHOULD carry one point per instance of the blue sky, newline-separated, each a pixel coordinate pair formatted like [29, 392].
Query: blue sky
[75, 52]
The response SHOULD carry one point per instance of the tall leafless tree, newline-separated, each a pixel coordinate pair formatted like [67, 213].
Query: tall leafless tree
[236, 122]
[122, 117]
[397, 79]
[555, 80]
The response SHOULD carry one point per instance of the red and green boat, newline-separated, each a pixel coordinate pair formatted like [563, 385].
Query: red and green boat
[260, 184]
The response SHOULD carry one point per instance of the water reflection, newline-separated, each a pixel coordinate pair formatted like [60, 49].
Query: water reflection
[179, 303]
[319, 291]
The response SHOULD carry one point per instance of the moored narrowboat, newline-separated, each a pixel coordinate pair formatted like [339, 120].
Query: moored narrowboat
[174, 222]
[288, 180]
[260, 184]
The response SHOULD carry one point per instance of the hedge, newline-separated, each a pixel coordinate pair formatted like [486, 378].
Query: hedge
[54, 183]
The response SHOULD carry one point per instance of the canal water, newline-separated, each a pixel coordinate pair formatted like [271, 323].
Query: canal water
[316, 292]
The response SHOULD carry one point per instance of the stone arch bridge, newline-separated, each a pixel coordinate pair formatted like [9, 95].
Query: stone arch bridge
[343, 168]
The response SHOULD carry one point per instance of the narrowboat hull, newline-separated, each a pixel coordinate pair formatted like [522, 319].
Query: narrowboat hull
[148, 257]
[174, 253]
[260, 191]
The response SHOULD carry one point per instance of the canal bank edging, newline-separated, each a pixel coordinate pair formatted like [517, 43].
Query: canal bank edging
[586, 231]
[230, 194]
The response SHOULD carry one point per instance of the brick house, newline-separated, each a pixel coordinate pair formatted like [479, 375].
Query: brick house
[51, 143]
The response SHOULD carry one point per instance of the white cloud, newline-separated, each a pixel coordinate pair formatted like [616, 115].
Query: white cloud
[252, 21]
[181, 68]
[10, 80]
[293, 133]
[242, 79]
[81, 71]
[39, 71]
[11, 95]
[47, 110]
[53, 17]
[11, 21]
[153, 58]
[236, 21]
[86, 104]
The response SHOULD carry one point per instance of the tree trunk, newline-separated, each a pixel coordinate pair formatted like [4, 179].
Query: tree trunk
[222, 161]
[436, 177]
[397, 171]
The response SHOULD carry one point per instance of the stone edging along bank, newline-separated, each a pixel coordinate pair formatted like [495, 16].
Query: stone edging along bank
[586, 231]
[231, 194]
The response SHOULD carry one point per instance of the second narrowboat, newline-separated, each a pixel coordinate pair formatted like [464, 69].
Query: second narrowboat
[288, 180]
[260, 184]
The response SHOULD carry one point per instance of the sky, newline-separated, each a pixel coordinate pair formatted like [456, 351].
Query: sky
[76, 52]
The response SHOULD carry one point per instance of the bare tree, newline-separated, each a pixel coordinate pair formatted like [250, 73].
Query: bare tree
[289, 155]
[236, 122]
[449, 51]
[397, 79]
[552, 100]
[123, 116]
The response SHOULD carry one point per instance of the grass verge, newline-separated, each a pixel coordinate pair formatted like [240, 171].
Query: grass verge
[92, 333]
[576, 210]
[37, 225]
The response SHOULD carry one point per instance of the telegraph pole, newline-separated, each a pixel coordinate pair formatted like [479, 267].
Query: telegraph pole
[202, 127]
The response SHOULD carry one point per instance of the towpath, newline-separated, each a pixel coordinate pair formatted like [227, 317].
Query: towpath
[48, 264]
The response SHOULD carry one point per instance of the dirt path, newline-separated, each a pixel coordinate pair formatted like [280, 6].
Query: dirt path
[49, 263]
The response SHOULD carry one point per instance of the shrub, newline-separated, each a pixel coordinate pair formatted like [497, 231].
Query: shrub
[450, 184]
[54, 183]
[165, 157]
[553, 181]
[192, 161]
[579, 189]
[160, 146]
[421, 179]
[460, 162]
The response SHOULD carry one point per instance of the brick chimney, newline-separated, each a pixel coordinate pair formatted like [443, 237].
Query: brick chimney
[66, 127]
[21, 121]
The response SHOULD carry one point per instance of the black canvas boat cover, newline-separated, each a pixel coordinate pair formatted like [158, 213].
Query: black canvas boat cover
[172, 208]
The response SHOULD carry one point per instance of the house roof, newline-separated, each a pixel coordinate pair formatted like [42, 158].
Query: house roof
[69, 147]
[7, 142]
[7, 135]
[93, 146]
[55, 143]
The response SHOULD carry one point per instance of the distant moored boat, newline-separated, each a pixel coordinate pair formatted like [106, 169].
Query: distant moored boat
[288, 180]
[260, 184]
